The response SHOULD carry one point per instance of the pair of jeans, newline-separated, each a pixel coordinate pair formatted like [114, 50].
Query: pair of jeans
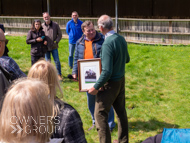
[55, 55]
[91, 107]
[113, 95]
[71, 52]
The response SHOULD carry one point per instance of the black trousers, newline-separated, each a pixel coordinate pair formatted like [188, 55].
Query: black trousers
[114, 94]
[34, 59]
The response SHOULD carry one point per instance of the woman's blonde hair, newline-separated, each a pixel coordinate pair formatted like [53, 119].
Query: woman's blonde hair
[46, 72]
[26, 112]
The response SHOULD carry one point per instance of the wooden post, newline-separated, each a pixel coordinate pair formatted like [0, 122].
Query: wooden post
[48, 6]
[91, 7]
[170, 31]
[116, 16]
[1, 7]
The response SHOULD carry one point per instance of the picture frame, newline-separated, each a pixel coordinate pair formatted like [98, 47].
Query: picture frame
[89, 71]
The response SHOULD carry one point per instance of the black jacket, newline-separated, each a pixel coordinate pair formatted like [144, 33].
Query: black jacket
[37, 48]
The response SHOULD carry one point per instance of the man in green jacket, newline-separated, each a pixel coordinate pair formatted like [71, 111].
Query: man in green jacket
[114, 55]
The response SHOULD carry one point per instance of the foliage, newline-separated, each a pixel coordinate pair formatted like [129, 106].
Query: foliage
[157, 87]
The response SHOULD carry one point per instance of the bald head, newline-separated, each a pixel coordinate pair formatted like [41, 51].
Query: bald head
[2, 42]
[106, 22]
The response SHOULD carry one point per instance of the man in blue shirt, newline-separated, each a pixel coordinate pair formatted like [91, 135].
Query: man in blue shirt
[74, 31]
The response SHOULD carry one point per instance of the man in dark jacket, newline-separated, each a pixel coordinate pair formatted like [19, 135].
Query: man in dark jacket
[88, 47]
[53, 36]
[6, 49]
[3, 80]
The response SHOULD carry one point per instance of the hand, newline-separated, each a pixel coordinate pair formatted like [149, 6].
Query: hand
[39, 39]
[92, 91]
[45, 42]
[74, 76]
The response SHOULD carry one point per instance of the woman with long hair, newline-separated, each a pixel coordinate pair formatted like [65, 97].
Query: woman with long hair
[36, 37]
[68, 124]
[26, 115]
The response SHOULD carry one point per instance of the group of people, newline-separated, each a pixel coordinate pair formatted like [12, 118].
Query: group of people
[30, 110]
[112, 49]
[30, 102]
[44, 39]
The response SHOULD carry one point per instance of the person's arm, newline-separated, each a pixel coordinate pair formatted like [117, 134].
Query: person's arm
[156, 139]
[127, 55]
[14, 69]
[17, 71]
[45, 39]
[107, 66]
[75, 66]
[29, 39]
[73, 130]
[59, 34]
[68, 28]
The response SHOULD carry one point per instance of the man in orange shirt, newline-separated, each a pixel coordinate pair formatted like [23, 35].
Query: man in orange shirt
[88, 47]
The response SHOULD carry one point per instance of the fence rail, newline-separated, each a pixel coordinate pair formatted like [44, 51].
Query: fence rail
[150, 31]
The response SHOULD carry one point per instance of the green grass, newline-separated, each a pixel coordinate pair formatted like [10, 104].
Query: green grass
[157, 87]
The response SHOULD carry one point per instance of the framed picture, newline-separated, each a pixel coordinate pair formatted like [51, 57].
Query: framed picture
[89, 71]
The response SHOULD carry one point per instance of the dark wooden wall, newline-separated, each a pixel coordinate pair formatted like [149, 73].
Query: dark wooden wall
[95, 8]
[22, 7]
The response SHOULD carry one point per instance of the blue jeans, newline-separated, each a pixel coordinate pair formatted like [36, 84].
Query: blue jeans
[91, 107]
[56, 59]
[71, 52]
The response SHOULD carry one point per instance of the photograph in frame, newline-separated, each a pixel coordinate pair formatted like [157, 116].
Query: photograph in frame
[89, 71]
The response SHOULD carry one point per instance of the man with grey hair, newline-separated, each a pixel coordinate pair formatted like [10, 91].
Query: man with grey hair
[114, 55]
[53, 35]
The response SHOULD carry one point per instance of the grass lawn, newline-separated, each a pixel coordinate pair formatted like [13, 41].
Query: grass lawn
[157, 87]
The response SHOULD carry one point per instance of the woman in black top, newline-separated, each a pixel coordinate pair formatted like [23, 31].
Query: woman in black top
[36, 37]
[67, 122]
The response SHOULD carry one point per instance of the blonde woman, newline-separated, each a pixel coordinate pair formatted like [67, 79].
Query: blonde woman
[26, 116]
[68, 124]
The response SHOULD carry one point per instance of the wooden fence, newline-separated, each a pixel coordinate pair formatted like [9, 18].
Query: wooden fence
[150, 31]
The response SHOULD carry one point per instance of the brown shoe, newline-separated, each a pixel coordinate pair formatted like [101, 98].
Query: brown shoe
[60, 78]
[93, 126]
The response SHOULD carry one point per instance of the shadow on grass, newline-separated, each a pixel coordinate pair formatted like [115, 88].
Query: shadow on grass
[67, 80]
[150, 125]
